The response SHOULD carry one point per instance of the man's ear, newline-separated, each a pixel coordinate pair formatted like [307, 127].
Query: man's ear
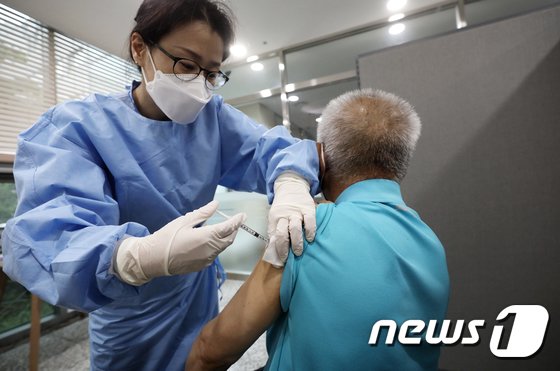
[321, 154]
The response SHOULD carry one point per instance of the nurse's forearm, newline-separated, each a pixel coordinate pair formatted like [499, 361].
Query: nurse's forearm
[249, 313]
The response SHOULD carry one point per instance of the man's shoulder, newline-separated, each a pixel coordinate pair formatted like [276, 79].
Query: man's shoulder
[323, 212]
[367, 221]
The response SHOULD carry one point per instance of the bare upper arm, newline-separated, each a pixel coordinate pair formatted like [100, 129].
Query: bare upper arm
[249, 313]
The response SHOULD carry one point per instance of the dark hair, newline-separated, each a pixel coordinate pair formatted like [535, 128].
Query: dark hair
[157, 18]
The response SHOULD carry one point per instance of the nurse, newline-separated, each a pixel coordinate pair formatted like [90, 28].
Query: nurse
[113, 189]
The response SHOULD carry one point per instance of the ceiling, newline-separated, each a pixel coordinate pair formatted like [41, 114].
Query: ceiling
[262, 26]
[269, 25]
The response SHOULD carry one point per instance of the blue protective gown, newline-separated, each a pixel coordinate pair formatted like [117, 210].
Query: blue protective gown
[90, 172]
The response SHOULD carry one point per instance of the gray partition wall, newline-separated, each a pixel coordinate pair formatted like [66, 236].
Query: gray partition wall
[486, 173]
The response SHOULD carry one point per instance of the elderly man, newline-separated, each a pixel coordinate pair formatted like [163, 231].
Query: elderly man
[373, 258]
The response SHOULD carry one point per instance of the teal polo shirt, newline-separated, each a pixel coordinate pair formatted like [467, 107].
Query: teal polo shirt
[373, 258]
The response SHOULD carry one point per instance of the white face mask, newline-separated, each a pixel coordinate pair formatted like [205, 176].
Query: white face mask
[179, 100]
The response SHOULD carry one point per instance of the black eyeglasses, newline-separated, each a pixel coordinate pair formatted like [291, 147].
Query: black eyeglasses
[187, 70]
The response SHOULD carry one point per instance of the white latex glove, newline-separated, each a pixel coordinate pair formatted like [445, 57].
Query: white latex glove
[177, 248]
[292, 206]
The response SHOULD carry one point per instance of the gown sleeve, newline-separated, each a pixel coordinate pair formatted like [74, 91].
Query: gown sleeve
[253, 157]
[60, 243]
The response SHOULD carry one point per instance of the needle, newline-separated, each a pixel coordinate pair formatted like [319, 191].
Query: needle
[245, 228]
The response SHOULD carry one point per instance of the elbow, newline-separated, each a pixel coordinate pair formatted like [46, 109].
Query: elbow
[203, 357]
[206, 359]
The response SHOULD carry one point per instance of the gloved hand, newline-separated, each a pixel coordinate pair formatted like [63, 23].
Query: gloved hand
[292, 206]
[177, 248]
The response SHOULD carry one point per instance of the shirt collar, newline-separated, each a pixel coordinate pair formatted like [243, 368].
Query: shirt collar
[130, 101]
[376, 190]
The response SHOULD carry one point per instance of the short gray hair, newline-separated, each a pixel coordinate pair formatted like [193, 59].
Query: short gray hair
[368, 131]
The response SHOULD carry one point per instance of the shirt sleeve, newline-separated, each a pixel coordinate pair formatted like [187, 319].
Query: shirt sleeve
[293, 264]
[60, 243]
[289, 278]
[253, 157]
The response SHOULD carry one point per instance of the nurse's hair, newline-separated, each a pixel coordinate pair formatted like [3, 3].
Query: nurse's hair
[368, 134]
[157, 18]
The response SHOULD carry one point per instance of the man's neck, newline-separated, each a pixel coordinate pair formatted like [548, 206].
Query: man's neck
[338, 188]
[335, 188]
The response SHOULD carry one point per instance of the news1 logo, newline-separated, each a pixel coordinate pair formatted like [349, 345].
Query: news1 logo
[525, 338]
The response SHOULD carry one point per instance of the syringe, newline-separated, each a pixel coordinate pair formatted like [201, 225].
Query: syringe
[245, 228]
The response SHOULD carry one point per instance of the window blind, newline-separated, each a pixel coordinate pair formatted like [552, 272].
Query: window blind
[82, 69]
[26, 82]
[40, 67]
